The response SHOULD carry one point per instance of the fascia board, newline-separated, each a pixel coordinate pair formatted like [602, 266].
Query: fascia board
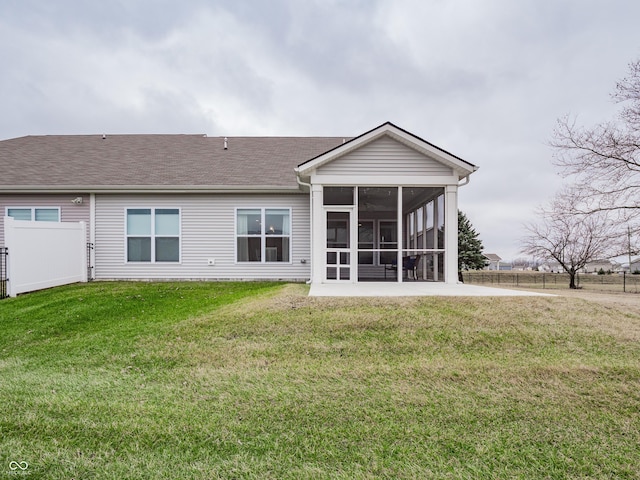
[45, 189]
[377, 180]
[461, 166]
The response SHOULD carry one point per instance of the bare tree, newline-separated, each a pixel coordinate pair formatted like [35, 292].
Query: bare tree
[604, 160]
[525, 263]
[570, 237]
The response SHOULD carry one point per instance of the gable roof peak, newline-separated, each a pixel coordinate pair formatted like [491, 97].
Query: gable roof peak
[399, 134]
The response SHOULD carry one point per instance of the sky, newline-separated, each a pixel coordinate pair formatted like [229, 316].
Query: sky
[483, 79]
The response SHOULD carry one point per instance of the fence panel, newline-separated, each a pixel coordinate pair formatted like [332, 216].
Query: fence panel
[44, 254]
[615, 282]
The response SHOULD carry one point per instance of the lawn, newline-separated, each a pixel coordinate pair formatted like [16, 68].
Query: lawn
[256, 380]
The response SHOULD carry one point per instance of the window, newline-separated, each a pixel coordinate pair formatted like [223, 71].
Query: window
[153, 234]
[263, 234]
[39, 214]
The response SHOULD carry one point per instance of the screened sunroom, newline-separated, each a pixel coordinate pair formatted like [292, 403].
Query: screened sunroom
[384, 208]
[386, 233]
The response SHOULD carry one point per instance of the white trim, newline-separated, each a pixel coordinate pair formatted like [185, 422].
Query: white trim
[451, 234]
[380, 180]
[318, 226]
[126, 189]
[153, 235]
[400, 234]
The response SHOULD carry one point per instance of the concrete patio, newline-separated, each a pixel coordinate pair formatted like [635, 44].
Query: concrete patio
[415, 289]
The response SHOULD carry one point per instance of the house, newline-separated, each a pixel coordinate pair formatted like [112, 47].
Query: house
[493, 261]
[324, 209]
[633, 267]
[616, 266]
[598, 265]
[551, 266]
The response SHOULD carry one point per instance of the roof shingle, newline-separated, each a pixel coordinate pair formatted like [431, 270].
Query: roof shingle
[119, 161]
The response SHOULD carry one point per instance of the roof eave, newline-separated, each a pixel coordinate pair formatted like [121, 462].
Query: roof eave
[40, 189]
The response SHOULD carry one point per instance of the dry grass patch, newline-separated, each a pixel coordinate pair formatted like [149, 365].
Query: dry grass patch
[279, 385]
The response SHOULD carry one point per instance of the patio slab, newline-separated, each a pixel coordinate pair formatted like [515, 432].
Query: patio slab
[415, 289]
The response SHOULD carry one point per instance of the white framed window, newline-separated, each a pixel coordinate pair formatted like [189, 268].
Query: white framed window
[263, 235]
[38, 214]
[152, 235]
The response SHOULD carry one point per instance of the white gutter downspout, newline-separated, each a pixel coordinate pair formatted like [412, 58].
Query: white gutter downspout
[92, 233]
[468, 177]
[300, 182]
[466, 181]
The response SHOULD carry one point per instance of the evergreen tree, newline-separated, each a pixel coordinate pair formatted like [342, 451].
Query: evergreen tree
[470, 255]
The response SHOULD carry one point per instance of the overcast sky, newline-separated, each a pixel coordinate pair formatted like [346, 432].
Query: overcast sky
[483, 79]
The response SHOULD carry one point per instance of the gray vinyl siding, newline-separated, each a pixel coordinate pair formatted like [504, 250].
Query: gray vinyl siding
[207, 231]
[69, 212]
[385, 156]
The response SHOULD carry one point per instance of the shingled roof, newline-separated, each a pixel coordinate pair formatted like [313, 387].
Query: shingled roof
[180, 162]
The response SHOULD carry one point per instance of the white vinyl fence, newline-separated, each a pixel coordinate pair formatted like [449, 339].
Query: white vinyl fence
[44, 254]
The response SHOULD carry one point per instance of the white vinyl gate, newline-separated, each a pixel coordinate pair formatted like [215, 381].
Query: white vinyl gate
[44, 254]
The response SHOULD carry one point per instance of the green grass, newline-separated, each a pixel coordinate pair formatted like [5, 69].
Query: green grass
[256, 380]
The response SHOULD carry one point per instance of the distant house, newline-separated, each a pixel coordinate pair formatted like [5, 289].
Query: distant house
[551, 267]
[616, 267]
[635, 266]
[493, 261]
[324, 209]
[597, 265]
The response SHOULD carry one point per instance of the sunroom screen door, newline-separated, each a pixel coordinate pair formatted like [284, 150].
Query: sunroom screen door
[338, 246]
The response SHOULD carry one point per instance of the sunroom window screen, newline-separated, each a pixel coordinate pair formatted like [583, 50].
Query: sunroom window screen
[338, 195]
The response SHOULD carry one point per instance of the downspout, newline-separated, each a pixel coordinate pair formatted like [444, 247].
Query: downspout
[468, 177]
[92, 234]
[301, 183]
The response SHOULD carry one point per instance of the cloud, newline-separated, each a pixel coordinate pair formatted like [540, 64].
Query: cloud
[484, 80]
